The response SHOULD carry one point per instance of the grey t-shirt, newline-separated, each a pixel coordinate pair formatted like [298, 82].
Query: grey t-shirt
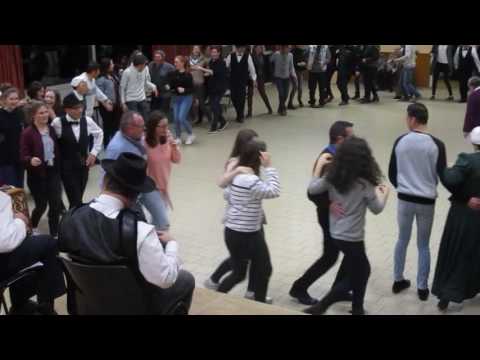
[351, 226]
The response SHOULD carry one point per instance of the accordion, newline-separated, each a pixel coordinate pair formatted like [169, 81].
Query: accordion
[19, 199]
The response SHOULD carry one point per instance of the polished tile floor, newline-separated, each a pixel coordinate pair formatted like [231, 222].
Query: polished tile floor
[293, 235]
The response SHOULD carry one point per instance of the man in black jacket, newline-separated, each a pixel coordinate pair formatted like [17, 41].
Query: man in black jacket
[465, 65]
[368, 68]
[159, 70]
[345, 65]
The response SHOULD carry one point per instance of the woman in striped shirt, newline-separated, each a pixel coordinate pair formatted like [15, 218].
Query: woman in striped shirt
[244, 219]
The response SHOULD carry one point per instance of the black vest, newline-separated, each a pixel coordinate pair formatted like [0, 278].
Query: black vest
[239, 70]
[74, 153]
[466, 63]
[90, 237]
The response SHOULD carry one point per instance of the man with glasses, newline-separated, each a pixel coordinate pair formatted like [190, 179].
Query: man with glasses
[129, 139]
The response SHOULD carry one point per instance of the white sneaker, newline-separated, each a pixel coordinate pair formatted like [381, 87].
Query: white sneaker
[36, 232]
[250, 295]
[178, 141]
[190, 139]
[209, 284]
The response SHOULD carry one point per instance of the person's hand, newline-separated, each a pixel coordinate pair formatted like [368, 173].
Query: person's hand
[337, 210]
[266, 159]
[90, 160]
[22, 102]
[35, 162]
[155, 92]
[164, 236]
[383, 189]
[180, 89]
[124, 107]
[108, 106]
[325, 159]
[474, 203]
[171, 139]
[22, 217]
[51, 113]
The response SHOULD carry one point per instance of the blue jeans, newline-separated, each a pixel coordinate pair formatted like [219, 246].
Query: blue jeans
[155, 204]
[181, 108]
[406, 213]
[407, 82]
[283, 86]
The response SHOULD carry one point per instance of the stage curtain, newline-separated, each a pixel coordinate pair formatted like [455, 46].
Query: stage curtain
[11, 65]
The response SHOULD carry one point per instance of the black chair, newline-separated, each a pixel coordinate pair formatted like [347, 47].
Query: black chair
[103, 290]
[5, 284]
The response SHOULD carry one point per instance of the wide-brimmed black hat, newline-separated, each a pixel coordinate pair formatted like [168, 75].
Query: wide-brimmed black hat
[70, 101]
[130, 170]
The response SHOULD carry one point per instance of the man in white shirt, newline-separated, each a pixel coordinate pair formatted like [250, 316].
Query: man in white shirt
[442, 63]
[73, 131]
[409, 63]
[19, 251]
[134, 80]
[93, 234]
[241, 68]
[94, 93]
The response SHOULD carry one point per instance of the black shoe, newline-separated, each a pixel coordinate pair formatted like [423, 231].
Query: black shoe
[347, 297]
[223, 126]
[423, 294]
[400, 286]
[318, 309]
[397, 98]
[443, 304]
[461, 101]
[270, 111]
[450, 98]
[198, 122]
[300, 103]
[360, 311]
[291, 107]
[313, 106]
[303, 297]
[284, 113]
[365, 101]
[249, 115]
[404, 99]
[376, 99]
[29, 308]
[356, 97]
[239, 119]
[343, 103]
[329, 98]
[432, 97]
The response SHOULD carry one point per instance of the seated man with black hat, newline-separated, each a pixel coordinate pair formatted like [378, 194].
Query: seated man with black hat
[73, 131]
[92, 233]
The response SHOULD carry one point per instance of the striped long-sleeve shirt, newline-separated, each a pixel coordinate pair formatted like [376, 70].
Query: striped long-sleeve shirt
[244, 196]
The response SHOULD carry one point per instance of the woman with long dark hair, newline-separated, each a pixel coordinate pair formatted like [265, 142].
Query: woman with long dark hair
[109, 84]
[244, 219]
[36, 91]
[162, 151]
[40, 154]
[53, 101]
[353, 181]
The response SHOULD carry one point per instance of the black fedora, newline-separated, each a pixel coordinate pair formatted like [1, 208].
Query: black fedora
[130, 170]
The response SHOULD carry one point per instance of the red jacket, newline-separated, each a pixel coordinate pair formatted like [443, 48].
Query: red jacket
[31, 145]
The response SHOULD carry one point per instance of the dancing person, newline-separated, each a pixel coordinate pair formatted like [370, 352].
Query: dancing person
[244, 217]
[409, 63]
[345, 66]
[97, 234]
[283, 72]
[331, 69]
[53, 100]
[217, 85]
[416, 164]
[135, 79]
[73, 131]
[369, 68]
[242, 69]
[464, 64]
[357, 61]
[472, 114]
[318, 60]
[109, 84]
[353, 181]
[457, 274]
[300, 65]
[159, 69]
[19, 251]
[162, 151]
[442, 63]
[36, 91]
[198, 65]
[40, 155]
[12, 119]
[339, 132]
[258, 57]
[181, 84]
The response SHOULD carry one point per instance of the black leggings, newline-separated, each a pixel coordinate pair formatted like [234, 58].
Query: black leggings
[244, 247]
[357, 267]
[441, 69]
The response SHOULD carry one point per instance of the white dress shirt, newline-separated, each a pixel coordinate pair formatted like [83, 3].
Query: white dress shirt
[251, 67]
[12, 231]
[442, 54]
[92, 129]
[158, 266]
[94, 93]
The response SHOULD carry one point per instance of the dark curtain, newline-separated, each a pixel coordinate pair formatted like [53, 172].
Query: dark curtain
[11, 65]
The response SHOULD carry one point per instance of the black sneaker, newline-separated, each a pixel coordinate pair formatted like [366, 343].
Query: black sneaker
[224, 126]
[318, 309]
[300, 104]
[450, 98]
[365, 101]
[423, 294]
[291, 107]
[443, 304]
[343, 103]
[360, 311]
[212, 131]
[303, 297]
[432, 97]
[400, 286]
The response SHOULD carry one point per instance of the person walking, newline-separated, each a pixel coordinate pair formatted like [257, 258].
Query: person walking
[318, 60]
[283, 71]
[442, 63]
[300, 65]
[159, 70]
[258, 57]
[198, 65]
[217, 84]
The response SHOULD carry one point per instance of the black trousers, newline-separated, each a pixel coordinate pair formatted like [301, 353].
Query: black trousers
[263, 94]
[161, 103]
[245, 247]
[317, 80]
[163, 301]
[343, 78]
[330, 71]
[325, 262]
[369, 78]
[445, 70]
[48, 284]
[238, 93]
[216, 107]
[199, 109]
[297, 86]
[75, 182]
[357, 268]
[111, 122]
[46, 191]
[250, 90]
[357, 84]
[463, 76]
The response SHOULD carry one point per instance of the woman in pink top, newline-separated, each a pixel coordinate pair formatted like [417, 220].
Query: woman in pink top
[162, 151]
